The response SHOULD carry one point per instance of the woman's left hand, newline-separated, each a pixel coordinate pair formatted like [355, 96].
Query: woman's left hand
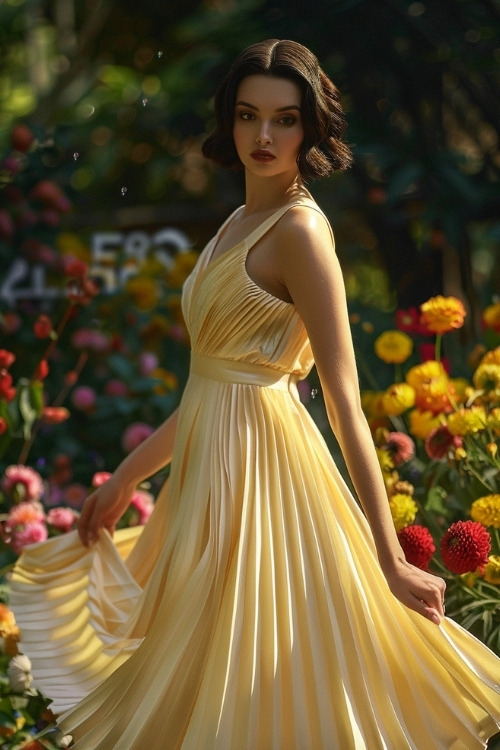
[417, 589]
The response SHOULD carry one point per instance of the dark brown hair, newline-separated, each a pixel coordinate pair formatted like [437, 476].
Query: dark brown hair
[323, 150]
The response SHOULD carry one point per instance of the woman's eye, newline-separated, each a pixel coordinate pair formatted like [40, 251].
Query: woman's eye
[246, 116]
[288, 120]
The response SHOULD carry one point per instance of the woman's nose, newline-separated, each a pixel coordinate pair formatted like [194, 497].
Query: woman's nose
[264, 136]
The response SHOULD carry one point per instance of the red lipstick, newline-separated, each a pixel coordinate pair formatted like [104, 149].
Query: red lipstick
[262, 155]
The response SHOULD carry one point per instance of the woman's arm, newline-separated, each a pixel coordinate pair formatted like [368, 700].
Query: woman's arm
[107, 503]
[311, 272]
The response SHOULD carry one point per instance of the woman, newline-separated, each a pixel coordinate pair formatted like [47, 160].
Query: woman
[259, 609]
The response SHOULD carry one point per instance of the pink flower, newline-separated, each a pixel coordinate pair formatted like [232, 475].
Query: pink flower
[400, 446]
[84, 398]
[74, 495]
[134, 435]
[143, 502]
[25, 512]
[33, 532]
[23, 482]
[100, 477]
[148, 361]
[61, 518]
[87, 338]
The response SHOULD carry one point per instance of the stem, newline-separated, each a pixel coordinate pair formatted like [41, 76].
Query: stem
[57, 402]
[479, 478]
[439, 339]
[496, 536]
[60, 328]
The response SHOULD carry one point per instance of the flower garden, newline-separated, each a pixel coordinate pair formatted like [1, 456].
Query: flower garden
[84, 379]
[437, 436]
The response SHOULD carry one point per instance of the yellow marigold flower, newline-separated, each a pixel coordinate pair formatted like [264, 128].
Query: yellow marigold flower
[460, 454]
[464, 421]
[492, 570]
[143, 292]
[403, 509]
[486, 510]
[487, 378]
[385, 460]
[423, 422]
[492, 357]
[425, 373]
[397, 399]
[371, 401]
[441, 314]
[491, 317]
[393, 347]
[461, 389]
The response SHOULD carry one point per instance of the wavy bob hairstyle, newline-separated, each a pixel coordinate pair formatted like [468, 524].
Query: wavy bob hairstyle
[322, 151]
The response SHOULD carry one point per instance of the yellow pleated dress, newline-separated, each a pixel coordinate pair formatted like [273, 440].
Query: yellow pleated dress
[250, 613]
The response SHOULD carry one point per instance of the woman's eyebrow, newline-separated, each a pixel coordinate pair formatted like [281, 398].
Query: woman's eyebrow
[280, 109]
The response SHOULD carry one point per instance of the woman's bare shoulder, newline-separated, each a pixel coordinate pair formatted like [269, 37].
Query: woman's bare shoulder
[306, 228]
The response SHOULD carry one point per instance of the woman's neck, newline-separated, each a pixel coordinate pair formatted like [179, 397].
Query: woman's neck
[270, 193]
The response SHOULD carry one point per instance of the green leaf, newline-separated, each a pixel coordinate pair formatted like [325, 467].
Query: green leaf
[435, 500]
[36, 397]
[28, 413]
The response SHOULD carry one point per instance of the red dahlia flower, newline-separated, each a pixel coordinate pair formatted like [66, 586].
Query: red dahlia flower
[440, 441]
[418, 545]
[465, 547]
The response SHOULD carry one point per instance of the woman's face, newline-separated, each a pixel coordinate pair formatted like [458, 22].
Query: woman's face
[268, 130]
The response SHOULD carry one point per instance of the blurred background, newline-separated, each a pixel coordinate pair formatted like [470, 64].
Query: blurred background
[103, 108]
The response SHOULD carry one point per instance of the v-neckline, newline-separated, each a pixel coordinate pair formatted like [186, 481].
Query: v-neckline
[210, 256]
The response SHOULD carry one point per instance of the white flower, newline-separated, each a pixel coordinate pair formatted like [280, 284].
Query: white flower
[19, 674]
[64, 741]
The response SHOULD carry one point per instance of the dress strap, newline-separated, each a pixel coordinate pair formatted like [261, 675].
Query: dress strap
[266, 225]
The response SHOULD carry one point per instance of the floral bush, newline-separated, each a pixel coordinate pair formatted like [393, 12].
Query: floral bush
[84, 378]
[437, 435]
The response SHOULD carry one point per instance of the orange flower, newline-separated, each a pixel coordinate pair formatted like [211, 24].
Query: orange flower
[442, 314]
[422, 423]
[433, 388]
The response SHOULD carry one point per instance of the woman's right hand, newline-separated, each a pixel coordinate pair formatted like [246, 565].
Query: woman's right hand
[103, 508]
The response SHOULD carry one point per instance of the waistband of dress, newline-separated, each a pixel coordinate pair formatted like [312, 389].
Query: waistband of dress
[245, 373]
